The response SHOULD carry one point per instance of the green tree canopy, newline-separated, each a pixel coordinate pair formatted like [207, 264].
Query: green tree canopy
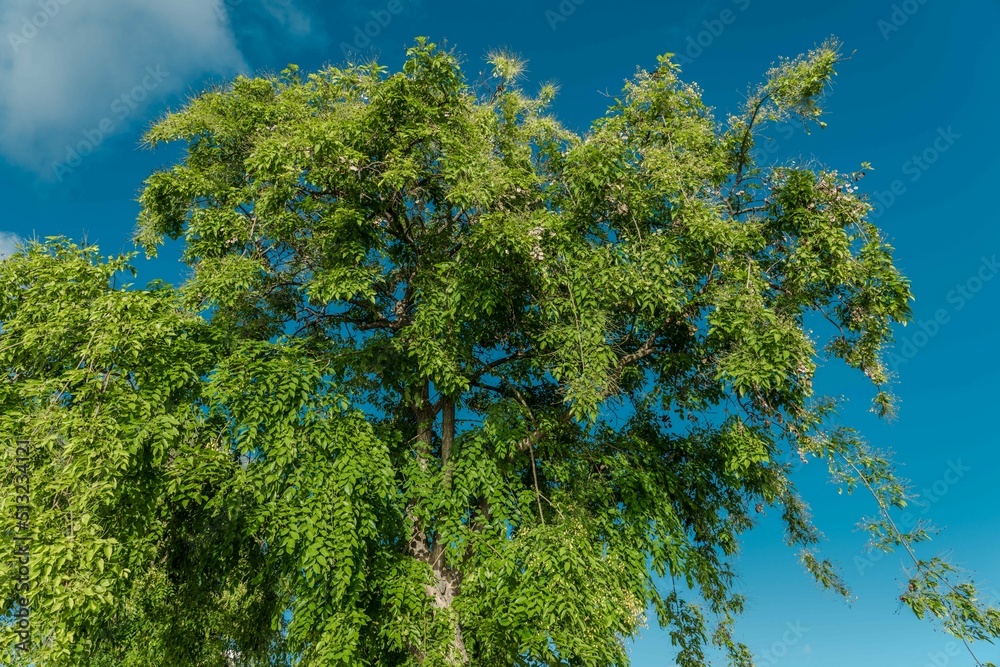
[449, 384]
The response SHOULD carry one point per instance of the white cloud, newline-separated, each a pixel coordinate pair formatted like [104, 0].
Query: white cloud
[287, 15]
[69, 66]
[283, 12]
[8, 244]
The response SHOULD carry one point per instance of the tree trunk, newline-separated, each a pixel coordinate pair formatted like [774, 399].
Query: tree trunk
[445, 586]
[447, 438]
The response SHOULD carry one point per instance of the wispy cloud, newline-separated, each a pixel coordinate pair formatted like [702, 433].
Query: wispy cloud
[293, 19]
[265, 25]
[8, 244]
[64, 63]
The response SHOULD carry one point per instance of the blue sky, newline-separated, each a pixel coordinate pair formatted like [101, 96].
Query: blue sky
[80, 79]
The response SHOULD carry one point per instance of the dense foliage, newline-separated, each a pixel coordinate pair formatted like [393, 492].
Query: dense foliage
[449, 383]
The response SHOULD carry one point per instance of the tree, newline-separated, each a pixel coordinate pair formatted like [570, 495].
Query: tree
[449, 383]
